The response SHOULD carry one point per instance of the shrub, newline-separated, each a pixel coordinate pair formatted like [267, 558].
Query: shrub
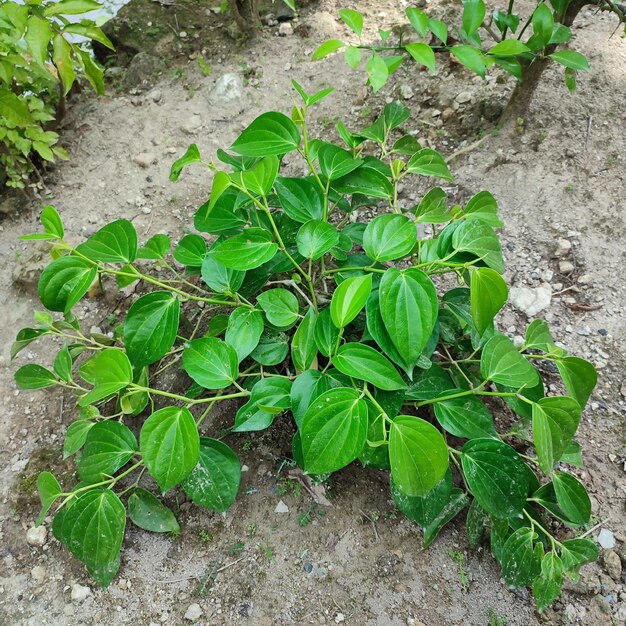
[39, 57]
[380, 343]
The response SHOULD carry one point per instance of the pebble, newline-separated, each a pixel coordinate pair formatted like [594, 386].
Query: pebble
[566, 267]
[464, 97]
[585, 279]
[285, 29]
[36, 536]
[228, 87]
[281, 507]
[613, 565]
[563, 246]
[340, 618]
[80, 592]
[531, 300]
[606, 539]
[406, 91]
[144, 159]
[38, 574]
[193, 612]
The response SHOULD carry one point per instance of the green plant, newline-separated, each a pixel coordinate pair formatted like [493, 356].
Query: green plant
[309, 311]
[523, 52]
[39, 57]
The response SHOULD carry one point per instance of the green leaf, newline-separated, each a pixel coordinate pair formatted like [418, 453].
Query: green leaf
[111, 372]
[496, 476]
[389, 237]
[569, 76]
[64, 282]
[471, 57]
[156, 248]
[303, 347]
[220, 278]
[25, 337]
[395, 114]
[409, 308]
[418, 455]
[114, 243]
[479, 239]
[483, 206]
[14, 109]
[306, 387]
[429, 384]
[572, 454]
[244, 330]
[423, 54]
[538, 337]
[214, 482]
[577, 552]
[476, 525]
[377, 72]
[272, 349]
[91, 69]
[93, 530]
[191, 251]
[246, 251]
[325, 333]
[473, 15]
[433, 208]
[51, 221]
[364, 363]
[547, 587]
[501, 363]
[328, 47]
[466, 417]
[38, 35]
[428, 162]
[192, 155]
[579, 376]
[458, 501]
[353, 20]
[349, 299]
[519, 563]
[151, 326]
[555, 421]
[488, 294]
[89, 31]
[571, 59]
[71, 7]
[49, 490]
[259, 179]
[300, 198]
[280, 307]
[543, 25]
[333, 430]
[269, 134]
[336, 162]
[212, 363]
[316, 238]
[367, 181]
[170, 445]
[424, 509]
[439, 29]
[418, 19]
[34, 376]
[269, 397]
[146, 511]
[509, 48]
[108, 447]
[76, 435]
[572, 498]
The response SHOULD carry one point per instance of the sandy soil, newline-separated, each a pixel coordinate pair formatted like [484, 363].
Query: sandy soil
[357, 562]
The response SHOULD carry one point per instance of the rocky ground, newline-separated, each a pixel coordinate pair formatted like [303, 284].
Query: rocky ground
[276, 557]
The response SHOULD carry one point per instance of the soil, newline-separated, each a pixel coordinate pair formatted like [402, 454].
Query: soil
[358, 562]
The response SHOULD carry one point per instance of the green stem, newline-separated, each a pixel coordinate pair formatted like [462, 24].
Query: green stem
[189, 401]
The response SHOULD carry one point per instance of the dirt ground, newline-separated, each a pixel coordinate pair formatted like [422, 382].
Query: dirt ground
[560, 186]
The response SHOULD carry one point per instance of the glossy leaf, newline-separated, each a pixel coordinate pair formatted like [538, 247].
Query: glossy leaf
[280, 307]
[191, 251]
[300, 198]
[480, 240]
[579, 376]
[212, 363]
[111, 372]
[389, 237]
[192, 155]
[146, 511]
[466, 417]
[501, 362]
[34, 376]
[303, 346]
[315, 238]
[365, 363]
[269, 134]
[49, 490]
[422, 53]
[108, 447]
[520, 565]
[269, 397]
[548, 585]
[246, 251]
[428, 162]
[244, 330]
[572, 498]
[488, 294]
[114, 243]
[349, 299]
[64, 282]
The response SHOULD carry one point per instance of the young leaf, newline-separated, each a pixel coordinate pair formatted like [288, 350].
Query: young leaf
[364, 363]
[423, 54]
[333, 430]
[315, 238]
[488, 294]
[49, 490]
[220, 278]
[476, 525]
[348, 299]
[191, 250]
[473, 15]
[272, 349]
[538, 337]
[169, 445]
[146, 511]
[246, 251]
[571, 59]
[465, 417]
[336, 162]
[306, 388]
[93, 530]
[111, 372]
[62, 57]
[519, 563]
[353, 20]
[303, 347]
[214, 482]
[108, 447]
[579, 376]
[51, 222]
[496, 475]
[428, 162]
[269, 397]
[34, 376]
[64, 282]
[280, 307]
[418, 455]
[575, 553]
[572, 498]
[151, 326]
[155, 248]
[328, 47]
[244, 330]
[501, 362]
[325, 333]
[548, 585]
[433, 208]
[509, 48]
[114, 243]
[483, 206]
[269, 134]
[439, 29]
[377, 72]
[471, 57]
[543, 25]
[389, 237]
[300, 198]
[192, 155]
[418, 20]
[479, 239]
[212, 363]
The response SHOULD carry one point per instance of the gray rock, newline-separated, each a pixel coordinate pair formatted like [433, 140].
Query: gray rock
[606, 539]
[80, 593]
[406, 91]
[38, 574]
[143, 69]
[194, 612]
[281, 507]
[285, 29]
[464, 97]
[228, 87]
[613, 565]
[566, 267]
[36, 536]
[531, 300]
[144, 159]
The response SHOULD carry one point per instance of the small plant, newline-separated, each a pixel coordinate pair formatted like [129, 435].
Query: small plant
[298, 307]
[459, 558]
[39, 57]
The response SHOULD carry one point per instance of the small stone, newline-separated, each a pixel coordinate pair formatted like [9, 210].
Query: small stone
[38, 574]
[531, 300]
[448, 114]
[285, 29]
[340, 618]
[566, 267]
[585, 279]
[227, 88]
[183, 34]
[80, 593]
[406, 91]
[281, 507]
[613, 565]
[606, 539]
[193, 612]
[144, 159]
[36, 536]
[622, 389]
[464, 97]
[563, 246]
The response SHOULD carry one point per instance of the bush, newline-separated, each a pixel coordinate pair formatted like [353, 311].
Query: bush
[39, 57]
[380, 343]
